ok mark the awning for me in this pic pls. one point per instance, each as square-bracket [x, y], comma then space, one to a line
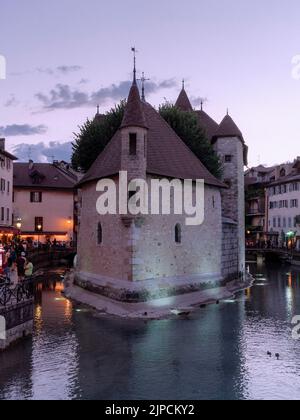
[8, 230]
[44, 233]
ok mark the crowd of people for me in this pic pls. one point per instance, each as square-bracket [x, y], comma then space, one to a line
[16, 265]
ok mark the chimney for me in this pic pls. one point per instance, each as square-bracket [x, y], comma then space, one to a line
[2, 145]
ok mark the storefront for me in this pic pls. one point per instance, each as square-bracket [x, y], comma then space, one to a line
[7, 234]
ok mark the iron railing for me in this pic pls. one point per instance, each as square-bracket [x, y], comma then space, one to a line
[10, 295]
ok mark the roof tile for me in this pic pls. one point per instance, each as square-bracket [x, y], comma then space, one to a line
[167, 154]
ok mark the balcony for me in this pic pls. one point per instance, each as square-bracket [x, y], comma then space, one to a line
[255, 211]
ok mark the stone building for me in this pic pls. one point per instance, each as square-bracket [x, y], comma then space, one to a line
[229, 143]
[135, 258]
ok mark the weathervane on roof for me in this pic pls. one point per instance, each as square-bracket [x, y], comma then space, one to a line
[98, 109]
[183, 84]
[143, 80]
[134, 50]
[29, 152]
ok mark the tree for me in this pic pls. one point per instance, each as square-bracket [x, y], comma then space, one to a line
[93, 137]
[186, 126]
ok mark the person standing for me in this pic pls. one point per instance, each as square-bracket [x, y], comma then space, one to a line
[21, 261]
[28, 269]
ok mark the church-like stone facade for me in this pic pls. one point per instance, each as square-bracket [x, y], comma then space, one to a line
[138, 258]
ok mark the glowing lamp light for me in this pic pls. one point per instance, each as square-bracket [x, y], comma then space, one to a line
[290, 234]
[39, 227]
[19, 225]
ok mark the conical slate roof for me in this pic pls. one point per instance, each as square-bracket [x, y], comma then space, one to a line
[167, 154]
[134, 115]
[209, 125]
[183, 102]
[228, 128]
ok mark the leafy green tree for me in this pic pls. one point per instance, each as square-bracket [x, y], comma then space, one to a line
[93, 137]
[186, 126]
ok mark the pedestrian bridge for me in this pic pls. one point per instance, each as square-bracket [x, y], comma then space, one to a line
[290, 256]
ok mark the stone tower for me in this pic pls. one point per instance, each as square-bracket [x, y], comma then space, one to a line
[134, 132]
[134, 136]
[230, 146]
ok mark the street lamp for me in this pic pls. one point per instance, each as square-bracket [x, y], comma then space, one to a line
[39, 229]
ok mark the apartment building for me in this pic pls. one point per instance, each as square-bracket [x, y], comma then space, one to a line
[6, 190]
[45, 201]
[283, 207]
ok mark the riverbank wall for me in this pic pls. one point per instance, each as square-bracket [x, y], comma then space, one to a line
[159, 308]
[16, 322]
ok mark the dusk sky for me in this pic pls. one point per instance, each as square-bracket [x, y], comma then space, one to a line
[63, 57]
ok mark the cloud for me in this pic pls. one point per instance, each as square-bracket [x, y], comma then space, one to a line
[51, 71]
[197, 101]
[44, 153]
[22, 130]
[83, 81]
[59, 70]
[65, 97]
[11, 102]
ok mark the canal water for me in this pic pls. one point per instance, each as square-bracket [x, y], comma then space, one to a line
[220, 352]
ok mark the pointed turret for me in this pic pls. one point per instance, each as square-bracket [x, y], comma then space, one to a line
[183, 103]
[134, 133]
[99, 117]
[228, 128]
[134, 115]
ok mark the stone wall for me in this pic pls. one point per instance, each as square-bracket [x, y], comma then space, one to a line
[19, 322]
[147, 249]
[230, 251]
[233, 198]
[157, 255]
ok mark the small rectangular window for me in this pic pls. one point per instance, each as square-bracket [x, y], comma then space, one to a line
[36, 197]
[228, 158]
[132, 144]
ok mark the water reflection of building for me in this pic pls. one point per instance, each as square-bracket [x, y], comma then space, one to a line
[15, 372]
[275, 299]
[54, 350]
[106, 356]
[172, 359]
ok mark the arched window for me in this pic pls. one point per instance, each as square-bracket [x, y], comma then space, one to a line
[178, 233]
[99, 234]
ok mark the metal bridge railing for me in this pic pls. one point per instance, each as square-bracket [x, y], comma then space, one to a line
[10, 295]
